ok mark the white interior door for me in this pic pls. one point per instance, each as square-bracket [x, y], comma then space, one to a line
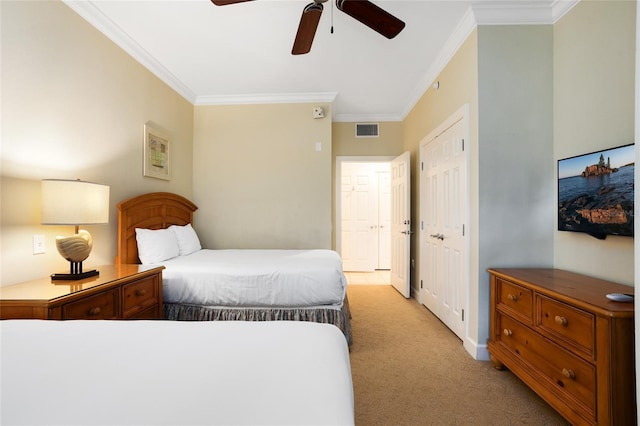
[443, 233]
[401, 224]
[359, 219]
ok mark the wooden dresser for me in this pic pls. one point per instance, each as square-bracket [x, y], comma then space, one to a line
[119, 292]
[560, 335]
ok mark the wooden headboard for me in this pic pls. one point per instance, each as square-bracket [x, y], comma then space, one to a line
[156, 210]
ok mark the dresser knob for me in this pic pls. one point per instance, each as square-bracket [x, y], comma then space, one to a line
[569, 374]
[94, 311]
[507, 332]
[560, 320]
[512, 297]
[141, 292]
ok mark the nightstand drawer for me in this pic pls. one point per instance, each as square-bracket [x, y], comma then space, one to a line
[516, 300]
[139, 295]
[98, 306]
[561, 321]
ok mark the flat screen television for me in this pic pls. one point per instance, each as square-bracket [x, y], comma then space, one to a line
[595, 192]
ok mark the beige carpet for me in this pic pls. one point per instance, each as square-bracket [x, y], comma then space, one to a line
[409, 369]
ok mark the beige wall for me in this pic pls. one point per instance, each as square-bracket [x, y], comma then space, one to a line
[73, 106]
[594, 62]
[345, 142]
[259, 180]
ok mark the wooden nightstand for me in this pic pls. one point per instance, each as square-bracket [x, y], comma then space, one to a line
[119, 292]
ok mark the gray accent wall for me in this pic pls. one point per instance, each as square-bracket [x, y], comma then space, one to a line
[515, 152]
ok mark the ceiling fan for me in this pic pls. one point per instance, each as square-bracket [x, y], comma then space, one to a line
[364, 11]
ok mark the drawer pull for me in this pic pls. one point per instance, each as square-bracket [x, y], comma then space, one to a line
[141, 292]
[94, 311]
[507, 332]
[569, 374]
[560, 320]
[512, 297]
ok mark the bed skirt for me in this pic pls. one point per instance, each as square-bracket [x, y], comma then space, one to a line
[340, 317]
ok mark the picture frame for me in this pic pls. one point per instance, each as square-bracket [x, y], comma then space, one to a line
[157, 153]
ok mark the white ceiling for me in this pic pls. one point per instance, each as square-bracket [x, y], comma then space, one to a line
[242, 53]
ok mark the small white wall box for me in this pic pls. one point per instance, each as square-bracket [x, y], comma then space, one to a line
[318, 112]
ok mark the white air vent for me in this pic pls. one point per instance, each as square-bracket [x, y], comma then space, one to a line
[367, 130]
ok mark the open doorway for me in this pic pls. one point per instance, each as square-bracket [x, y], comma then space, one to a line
[363, 213]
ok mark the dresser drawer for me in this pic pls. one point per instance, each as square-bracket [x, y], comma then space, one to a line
[98, 306]
[515, 300]
[562, 371]
[571, 325]
[139, 295]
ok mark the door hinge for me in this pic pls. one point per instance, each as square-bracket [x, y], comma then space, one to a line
[463, 315]
[463, 144]
[422, 225]
[422, 166]
[420, 283]
[463, 229]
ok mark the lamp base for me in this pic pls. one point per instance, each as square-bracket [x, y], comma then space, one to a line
[75, 273]
[74, 277]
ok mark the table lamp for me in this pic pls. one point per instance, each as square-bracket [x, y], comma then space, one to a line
[74, 202]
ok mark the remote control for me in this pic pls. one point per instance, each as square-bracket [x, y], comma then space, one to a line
[620, 297]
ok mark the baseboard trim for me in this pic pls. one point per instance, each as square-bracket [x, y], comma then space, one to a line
[478, 352]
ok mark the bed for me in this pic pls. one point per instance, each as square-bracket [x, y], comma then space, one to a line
[174, 373]
[211, 285]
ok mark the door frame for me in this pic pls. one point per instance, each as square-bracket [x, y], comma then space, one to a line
[338, 188]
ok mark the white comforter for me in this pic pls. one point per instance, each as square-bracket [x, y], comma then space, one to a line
[284, 278]
[174, 373]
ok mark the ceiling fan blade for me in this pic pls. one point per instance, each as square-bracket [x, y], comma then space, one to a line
[226, 2]
[372, 16]
[307, 28]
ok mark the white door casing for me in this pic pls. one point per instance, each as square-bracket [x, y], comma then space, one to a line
[384, 220]
[401, 224]
[443, 237]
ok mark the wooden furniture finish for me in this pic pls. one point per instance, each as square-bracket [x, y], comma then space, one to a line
[156, 210]
[558, 333]
[119, 292]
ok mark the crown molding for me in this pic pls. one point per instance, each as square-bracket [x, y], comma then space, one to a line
[94, 16]
[480, 12]
[489, 12]
[460, 34]
[498, 12]
[560, 7]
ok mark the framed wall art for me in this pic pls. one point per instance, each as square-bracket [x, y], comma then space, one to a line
[157, 153]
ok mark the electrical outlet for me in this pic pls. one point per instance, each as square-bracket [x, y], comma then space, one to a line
[38, 244]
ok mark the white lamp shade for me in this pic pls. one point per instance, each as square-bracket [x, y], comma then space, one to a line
[74, 202]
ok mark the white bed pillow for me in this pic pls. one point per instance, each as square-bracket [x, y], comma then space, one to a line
[188, 241]
[156, 245]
